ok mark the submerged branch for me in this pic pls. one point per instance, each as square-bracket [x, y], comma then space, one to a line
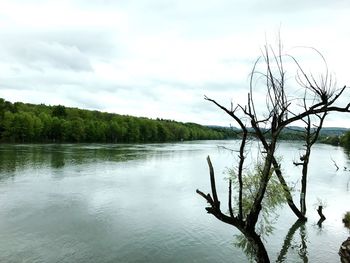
[287, 193]
[212, 184]
[230, 197]
[335, 164]
[322, 217]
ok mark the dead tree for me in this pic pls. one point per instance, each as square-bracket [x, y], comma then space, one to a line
[322, 89]
[310, 136]
[281, 112]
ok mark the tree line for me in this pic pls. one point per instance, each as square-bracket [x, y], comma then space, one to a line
[338, 140]
[344, 140]
[27, 123]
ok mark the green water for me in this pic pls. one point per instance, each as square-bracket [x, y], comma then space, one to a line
[137, 203]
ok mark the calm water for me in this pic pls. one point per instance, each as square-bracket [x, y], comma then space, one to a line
[137, 203]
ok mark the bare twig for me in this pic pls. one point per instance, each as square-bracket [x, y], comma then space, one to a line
[335, 164]
[226, 148]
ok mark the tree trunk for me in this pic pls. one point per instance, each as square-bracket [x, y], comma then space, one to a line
[304, 182]
[287, 193]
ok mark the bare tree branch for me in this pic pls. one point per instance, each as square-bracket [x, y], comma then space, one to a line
[320, 99]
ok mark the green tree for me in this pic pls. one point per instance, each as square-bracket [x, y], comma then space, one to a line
[117, 130]
[57, 132]
[101, 131]
[23, 127]
[59, 111]
[2, 113]
[46, 121]
[38, 127]
[75, 130]
[7, 125]
[39, 123]
[163, 132]
[133, 130]
[345, 140]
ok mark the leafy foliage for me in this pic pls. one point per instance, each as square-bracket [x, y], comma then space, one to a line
[345, 140]
[274, 198]
[332, 140]
[346, 220]
[20, 122]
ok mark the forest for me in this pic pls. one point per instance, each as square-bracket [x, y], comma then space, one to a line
[338, 140]
[30, 123]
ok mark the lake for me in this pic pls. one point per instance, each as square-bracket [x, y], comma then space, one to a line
[137, 203]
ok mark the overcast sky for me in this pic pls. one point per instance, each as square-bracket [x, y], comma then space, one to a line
[157, 58]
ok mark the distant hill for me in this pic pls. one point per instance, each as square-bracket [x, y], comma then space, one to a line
[24, 122]
[292, 132]
[333, 131]
[325, 131]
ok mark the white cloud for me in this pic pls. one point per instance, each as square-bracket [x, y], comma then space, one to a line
[59, 14]
[154, 58]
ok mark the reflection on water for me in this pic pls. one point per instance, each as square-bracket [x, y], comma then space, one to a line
[14, 157]
[301, 246]
[137, 203]
[347, 169]
[290, 242]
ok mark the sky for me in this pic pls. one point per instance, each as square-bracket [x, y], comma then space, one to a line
[158, 58]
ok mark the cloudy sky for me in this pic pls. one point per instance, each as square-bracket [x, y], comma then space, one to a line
[157, 58]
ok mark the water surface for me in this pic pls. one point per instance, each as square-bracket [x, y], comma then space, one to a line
[137, 203]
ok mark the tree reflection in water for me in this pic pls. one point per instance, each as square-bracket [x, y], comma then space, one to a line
[242, 243]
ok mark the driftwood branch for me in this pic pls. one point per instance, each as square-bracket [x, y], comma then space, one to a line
[212, 184]
[297, 164]
[214, 202]
[206, 197]
[335, 164]
[226, 148]
[322, 217]
[241, 156]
